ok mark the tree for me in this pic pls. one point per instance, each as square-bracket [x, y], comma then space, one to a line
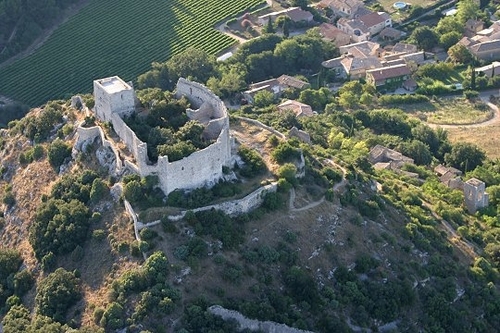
[465, 156]
[286, 28]
[263, 98]
[57, 293]
[449, 39]
[425, 38]
[16, 320]
[458, 53]
[59, 227]
[58, 152]
[288, 171]
[269, 27]
[193, 63]
[418, 151]
[468, 9]
[449, 24]
[299, 3]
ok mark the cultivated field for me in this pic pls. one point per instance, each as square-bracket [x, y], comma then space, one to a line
[117, 38]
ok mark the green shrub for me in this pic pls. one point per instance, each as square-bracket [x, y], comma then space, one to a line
[57, 293]
[98, 234]
[254, 164]
[58, 152]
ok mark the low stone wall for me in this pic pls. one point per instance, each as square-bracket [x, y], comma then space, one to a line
[261, 125]
[251, 324]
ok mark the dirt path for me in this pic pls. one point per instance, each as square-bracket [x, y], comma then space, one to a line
[335, 188]
[466, 247]
[494, 120]
[65, 16]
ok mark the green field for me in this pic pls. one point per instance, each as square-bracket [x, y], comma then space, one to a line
[117, 37]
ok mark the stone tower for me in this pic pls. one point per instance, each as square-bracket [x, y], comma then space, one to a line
[113, 95]
[475, 195]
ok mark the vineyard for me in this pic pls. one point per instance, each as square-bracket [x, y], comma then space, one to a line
[117, 37]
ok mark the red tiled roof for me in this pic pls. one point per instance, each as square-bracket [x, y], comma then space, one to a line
[384, 73]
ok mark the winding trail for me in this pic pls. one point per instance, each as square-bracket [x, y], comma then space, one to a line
[336, 188]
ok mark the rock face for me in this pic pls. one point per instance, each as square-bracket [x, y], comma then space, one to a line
[115, 99]
[253, 325]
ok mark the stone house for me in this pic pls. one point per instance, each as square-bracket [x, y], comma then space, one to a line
[389, 33]
[487, 51]
[295, 14]
[276, 86]
[449, 176]
[385, 158]
[490, 70]
[331, 33]
[472, 27]
[362, 28]
[350, 67]
[298, 108]
[345, 8]
[388, 78]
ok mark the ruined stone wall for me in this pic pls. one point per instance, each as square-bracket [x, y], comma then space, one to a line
[203, 167]
[138, 148]
[237, 207]
[89, 134]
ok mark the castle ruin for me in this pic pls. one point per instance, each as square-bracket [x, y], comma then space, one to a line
[115, 99]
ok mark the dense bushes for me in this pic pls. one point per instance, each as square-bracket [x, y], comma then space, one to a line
[56, 293]
[254, 164]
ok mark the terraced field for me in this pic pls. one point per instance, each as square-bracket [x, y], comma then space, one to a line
[117, 37]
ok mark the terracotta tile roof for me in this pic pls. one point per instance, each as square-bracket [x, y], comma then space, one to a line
[390, 32]
[372, 19]
[384, 73]
[403, 47]
[297, 14]
[300, 109]
[493, 45]
[331, 32]
[290, 81]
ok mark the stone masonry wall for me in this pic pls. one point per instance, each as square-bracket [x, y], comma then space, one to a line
[85, 134]
[203, 167]
[240, 206]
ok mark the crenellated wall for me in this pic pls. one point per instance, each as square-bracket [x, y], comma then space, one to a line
[203, 167]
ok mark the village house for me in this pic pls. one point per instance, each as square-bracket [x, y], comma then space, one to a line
[388, 78]
[331, 33]
[390, 33]
[345, 8]
[298, 108]
[490, 70]
[362, 49]
[350, 67]
[362, 28]
[385, 158]
[449, 176]
[485, 45]
[276, 86]
[472, 27]
[295, 14]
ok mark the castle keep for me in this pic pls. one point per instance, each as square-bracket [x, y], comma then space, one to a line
[115, 99]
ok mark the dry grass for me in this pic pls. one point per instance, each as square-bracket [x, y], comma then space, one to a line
[486, 138]
[451, 111]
